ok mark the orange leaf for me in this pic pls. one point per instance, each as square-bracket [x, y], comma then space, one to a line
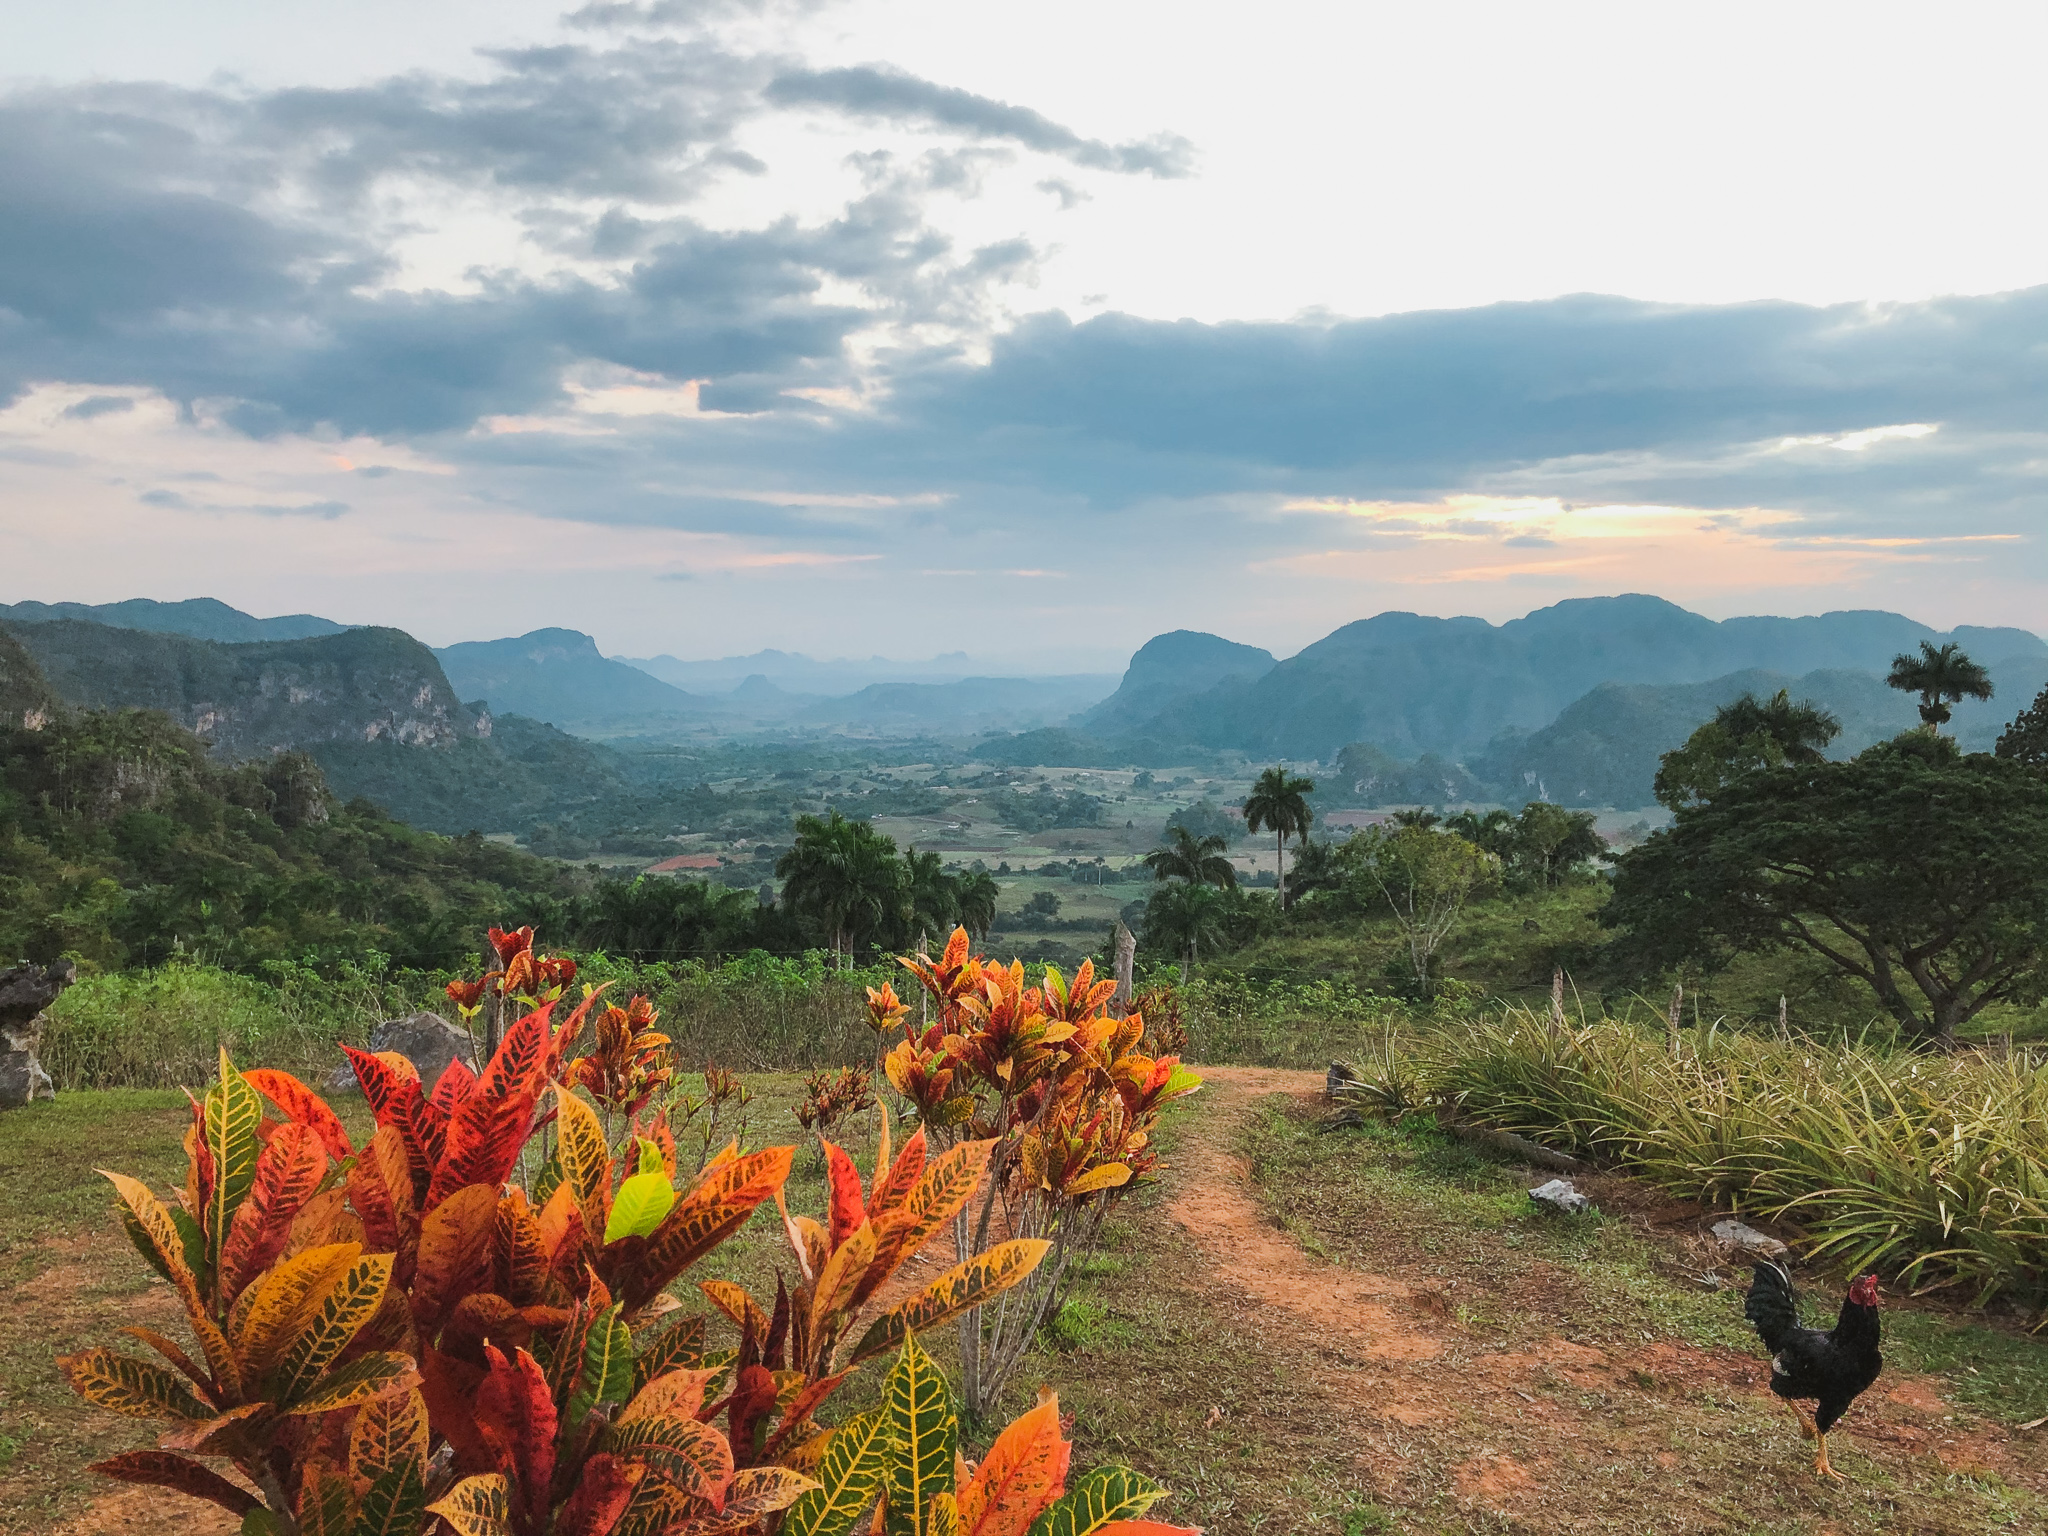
[848, 1210]
[516, 1413]
[299, 1103]
[1025, 1470]
[453, 1087]
[396, 1101]
[288, 1170]
[485, 1136]
[604, 1487]
[455, 1252]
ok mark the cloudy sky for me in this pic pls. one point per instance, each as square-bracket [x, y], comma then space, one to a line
[908, 326]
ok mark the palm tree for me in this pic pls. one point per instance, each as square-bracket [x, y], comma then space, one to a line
[978, 892]
[843, 874]
[1184, 917]
[1197, 860]
[930, 896]
[1799, 731]
[1278, 801]
[1941, 678]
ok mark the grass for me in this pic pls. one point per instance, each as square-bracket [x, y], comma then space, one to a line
[1928, 1168]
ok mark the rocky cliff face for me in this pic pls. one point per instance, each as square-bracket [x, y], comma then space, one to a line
[259, 699]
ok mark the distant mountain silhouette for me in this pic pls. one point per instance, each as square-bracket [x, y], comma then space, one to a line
[1410, 685]
[201, 618]
[558, 675]
[1170, 669]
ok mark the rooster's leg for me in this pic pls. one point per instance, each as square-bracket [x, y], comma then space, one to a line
[1820, 1462]
[1806, 1427]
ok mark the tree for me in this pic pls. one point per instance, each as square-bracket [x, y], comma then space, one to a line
[1182, 917]
[2026, 739]
[1425, 877]
[1550, 842]
[1198, 860]
[1749, 733]
[1941, 677]
[1913, 867]
[1494, 832]
[842, 875]
[930, 898]
[1279, 803]
[978, 892]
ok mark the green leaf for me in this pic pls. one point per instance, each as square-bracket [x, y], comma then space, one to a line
[607, 1375]
[856, 1461]
[261, 1522]
[545, 1183]
[650, 1158]
[231, 1115]
[925, 1435]
[395, 1503]
[639, 1206]
[1104, 1495]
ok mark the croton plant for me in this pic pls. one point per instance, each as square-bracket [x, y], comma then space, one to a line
[468, 1324]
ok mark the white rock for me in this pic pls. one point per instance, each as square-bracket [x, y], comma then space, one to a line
[1561, 1195]
[1741, 1238]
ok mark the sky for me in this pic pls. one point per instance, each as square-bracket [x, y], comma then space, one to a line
[1025, 330]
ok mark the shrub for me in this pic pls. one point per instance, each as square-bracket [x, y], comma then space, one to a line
[1057, 1087]
[465, 1323]
[1931, 1167]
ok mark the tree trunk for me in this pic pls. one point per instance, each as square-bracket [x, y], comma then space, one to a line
[1280, 866]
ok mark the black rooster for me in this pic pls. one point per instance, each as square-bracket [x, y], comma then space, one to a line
[1832, 1368]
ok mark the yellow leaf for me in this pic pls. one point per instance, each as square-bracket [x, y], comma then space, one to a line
[150, 1223]
[350, 1302]
[477, 1506]
[283, 1304]
[965, 1285]
[387, 1433]
[842, 1277]
[140, 1389]
[586, 1160]
[1108, 1176]
[680, 1393]
[361, 1380]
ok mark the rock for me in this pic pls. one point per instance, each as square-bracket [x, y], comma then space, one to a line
[1737, 1237]
[1561, 1195]
[1340, 1076]
[25, 991]
[427, 1040]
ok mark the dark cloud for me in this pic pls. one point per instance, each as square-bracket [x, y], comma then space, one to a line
[869, 91]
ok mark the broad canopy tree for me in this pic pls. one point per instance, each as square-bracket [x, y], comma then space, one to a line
[1425, 877]
[1916, 868]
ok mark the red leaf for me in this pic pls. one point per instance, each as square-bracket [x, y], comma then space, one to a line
[487, 1132]
[162, 1469]
[298, 1102]
[450, 1389]
[380, 1189]
[396, 1101]
[901, 1179]
[603, 1491]
[288, 1171]
[848, 1209]
[453, 1087]
[516, 1414]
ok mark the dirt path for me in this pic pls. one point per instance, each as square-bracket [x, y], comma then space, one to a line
[1496, 1417]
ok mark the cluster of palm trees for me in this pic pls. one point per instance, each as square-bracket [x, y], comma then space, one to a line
[1190, 909]
[848, 884]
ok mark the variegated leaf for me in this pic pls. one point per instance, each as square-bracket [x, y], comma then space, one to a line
[326, 1502]
[764, 1490]
[477, 1506]
[585, 1160]
[275, 1311]
[1023, 1472]
[965, 1285]
[925, 1435]
[233, 1111]
[1108, 1176]
[140, 1389]
[395, 1504]
[849, 1479]
[455, 1252]
[607, 1375]
[1097, 1501]
[288, 1171]
[357, 1381]
[299, 1103]
[387, 1433]
[674, 1392]
[712, 1211]
[350, 1302]
[693, 1456]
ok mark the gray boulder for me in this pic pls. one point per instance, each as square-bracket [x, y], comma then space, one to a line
[1561, 1195]
[25, 991]
[1739, 1237]
[427, 1040]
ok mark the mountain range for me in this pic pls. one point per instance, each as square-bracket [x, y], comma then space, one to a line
[1574, 702]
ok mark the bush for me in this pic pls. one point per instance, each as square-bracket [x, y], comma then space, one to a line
[1930, 1167]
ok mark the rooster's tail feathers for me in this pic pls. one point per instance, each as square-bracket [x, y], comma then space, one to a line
[1771, 1305]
